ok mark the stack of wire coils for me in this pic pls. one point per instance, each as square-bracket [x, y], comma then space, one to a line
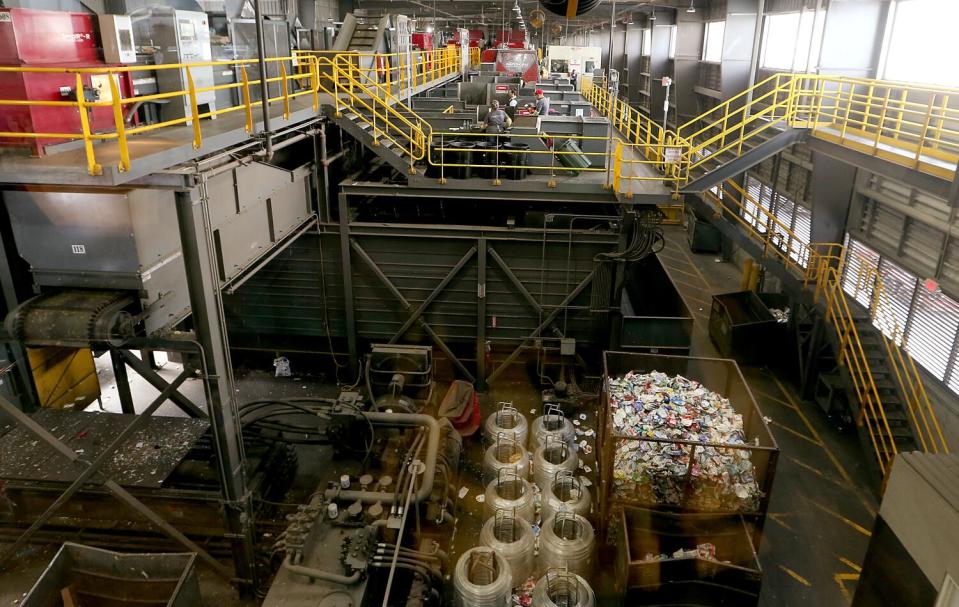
[567, 541]
[482, 579]
[512, 538]
[565, 492]
[512, 493]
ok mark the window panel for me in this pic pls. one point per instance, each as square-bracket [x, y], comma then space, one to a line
[791, 39]
[713, 41]
[856, 280]
[803, 231]
[647, 42]
[673, 30]
[932, 330]
[922, 29]
[899, 286]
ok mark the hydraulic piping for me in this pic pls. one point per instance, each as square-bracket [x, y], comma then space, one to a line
[264, 85]
[432, 448]
[319, 574]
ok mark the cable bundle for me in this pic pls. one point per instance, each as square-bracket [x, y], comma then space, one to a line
[512, 538]
[552, 424]
[512, 493]
[565, 492]
[481, 579]
[646, 238]
[506, 422]
[561, 589]
[567, 541]
[554, 456]
[505, 454]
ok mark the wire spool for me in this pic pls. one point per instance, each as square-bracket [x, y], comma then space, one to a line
[510, 492]
[505, 454]
[506, 422]
[565, 492]
[552, 424]
[560, 7]
[512, 538]
[562, 589]
[554, 456]
[567, 541]
[481, 579]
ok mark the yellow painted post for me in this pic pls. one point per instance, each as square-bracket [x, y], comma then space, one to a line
[118, 121]
[925, 129]
[944, 106]
[286, 91]
[902, 110]
[92, 167]
[882, 117]
[868, 113]
[315, 82]
[247, 106]
[845, 119]
[194, 111]
[617, 165]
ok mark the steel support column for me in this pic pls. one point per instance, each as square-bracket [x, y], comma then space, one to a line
[122, 381]
[481, 249]
[209, 325]
[349, 304]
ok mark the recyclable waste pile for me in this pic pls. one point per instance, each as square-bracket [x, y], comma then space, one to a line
[655, 405]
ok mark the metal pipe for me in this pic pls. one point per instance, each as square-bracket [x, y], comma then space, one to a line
[264, 87]
[319, 574]
[432, 448]
[613, 93]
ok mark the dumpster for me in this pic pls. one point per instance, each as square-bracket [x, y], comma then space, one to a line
[654, 316]
[742, 327]
[703, 236]
[687, 559]
[721, 462]
[513, 157]
[91, 576]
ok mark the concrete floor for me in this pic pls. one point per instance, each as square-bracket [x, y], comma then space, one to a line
[821, 510]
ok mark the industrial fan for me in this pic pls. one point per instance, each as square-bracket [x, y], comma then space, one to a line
[570, 8]
[556, 29]
[537, 18]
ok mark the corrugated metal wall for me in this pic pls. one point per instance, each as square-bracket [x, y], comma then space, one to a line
[287, 298]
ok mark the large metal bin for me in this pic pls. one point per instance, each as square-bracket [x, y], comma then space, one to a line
[703, 236]
[655, 317]
[733, 577]
[742, 327]
[102, 577]
[719, 375]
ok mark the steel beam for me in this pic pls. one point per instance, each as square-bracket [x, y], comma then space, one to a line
[537, 192]
[143, 369]
[481, 251]
[542, 325]
[119, 492]
[207, 313]
[349, 304]
[415, 314]
[122, 381]
[406, 306]
[92, 468]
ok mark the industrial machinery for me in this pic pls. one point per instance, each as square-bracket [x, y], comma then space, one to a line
[177, 36]
[400, 378]
[38, 38]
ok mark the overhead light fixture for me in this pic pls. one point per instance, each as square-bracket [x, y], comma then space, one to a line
[691, 9]
[429, 29]
[652, 15]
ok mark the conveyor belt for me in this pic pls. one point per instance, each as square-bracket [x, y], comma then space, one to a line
[73, 318]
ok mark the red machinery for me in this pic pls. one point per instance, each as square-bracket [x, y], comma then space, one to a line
[512, 39]
[422, 41]
[38, 38]
[475, 38]
[518, 62]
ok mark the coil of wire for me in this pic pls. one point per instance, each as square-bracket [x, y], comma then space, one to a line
[512, 538]
[566, 540]
[512, 493]
[481, 579]
[562, 589]
[506, 422]
[552, 424]
[505, 454]
[565, 492]
[554, 456]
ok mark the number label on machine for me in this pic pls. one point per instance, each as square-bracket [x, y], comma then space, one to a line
[78, 249]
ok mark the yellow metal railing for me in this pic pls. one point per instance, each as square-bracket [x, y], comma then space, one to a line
[822, 267]
[291, 86]
[912, 125]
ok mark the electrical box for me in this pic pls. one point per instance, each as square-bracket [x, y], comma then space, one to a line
[116, 34]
